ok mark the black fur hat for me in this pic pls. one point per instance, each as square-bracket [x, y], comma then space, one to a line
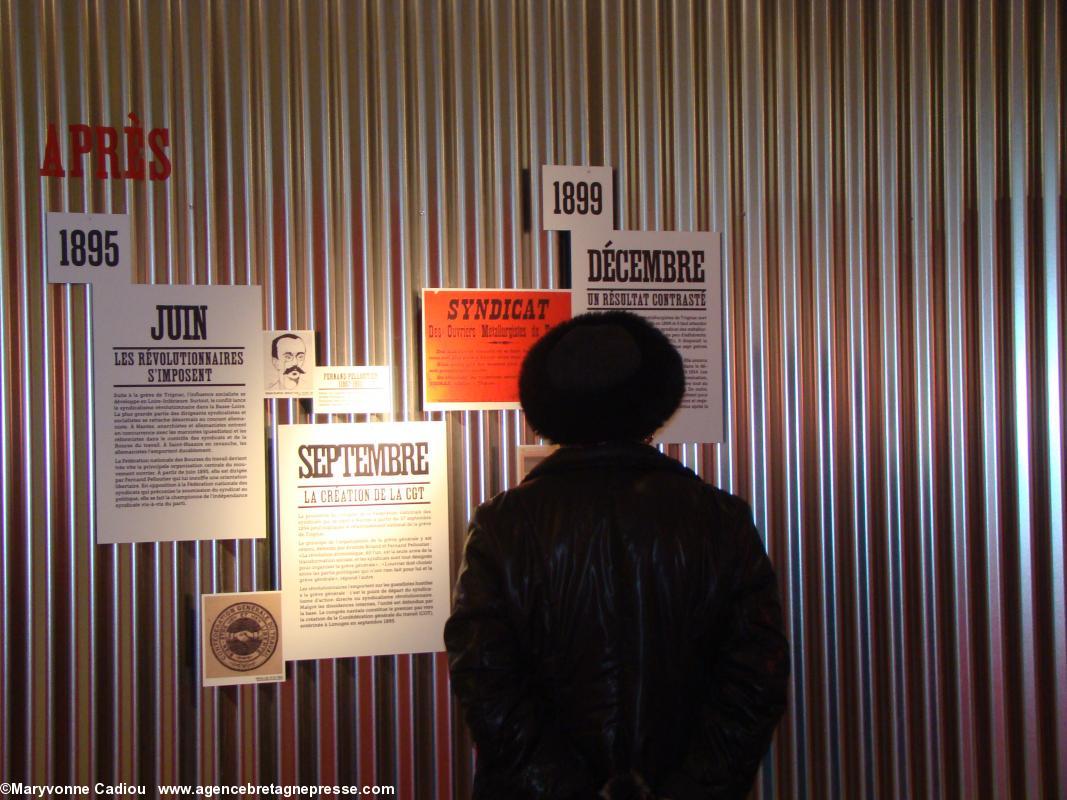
[601, 377]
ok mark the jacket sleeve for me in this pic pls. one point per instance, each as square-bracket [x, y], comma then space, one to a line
[745, 692]
[495, 681]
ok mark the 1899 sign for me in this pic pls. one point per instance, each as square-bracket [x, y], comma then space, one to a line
[578, 197]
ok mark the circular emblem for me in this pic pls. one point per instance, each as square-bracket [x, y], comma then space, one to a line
[244, 636]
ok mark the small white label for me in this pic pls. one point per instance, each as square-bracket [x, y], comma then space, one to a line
[577, 197]
[354, 390]
[88, 248]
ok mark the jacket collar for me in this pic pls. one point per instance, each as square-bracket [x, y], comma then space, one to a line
[608, 455]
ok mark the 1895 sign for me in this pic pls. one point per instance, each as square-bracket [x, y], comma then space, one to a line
[92, 248]
[88, 248]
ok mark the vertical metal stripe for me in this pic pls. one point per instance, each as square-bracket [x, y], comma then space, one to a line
[326, 743]
[956, 571]
[405, 734]
[7, 687]
[990, 375]
[1053, 171]
[444, 749]
[1021, 311]
[366, 716]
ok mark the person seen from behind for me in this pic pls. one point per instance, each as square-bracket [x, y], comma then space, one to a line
[616, 630]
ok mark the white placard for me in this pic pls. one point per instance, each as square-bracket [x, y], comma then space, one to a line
[241, 638]
[577, 198]
[674, 280]
[354, 390]
[178, 413]
[364, 538]
[289, 363]
[530, 455]
[88, 248]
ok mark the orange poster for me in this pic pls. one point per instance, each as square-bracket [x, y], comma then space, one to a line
[474, 340]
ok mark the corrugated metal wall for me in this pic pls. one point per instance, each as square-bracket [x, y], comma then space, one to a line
[889, 180]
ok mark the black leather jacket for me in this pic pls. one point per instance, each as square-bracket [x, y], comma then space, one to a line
[614, 613]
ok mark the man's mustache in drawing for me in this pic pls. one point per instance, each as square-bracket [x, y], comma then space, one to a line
[293, 370]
